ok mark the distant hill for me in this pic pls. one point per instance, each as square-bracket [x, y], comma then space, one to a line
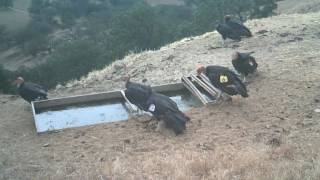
[171, 2]
[15, 20]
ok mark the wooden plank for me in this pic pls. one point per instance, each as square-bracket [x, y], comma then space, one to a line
[190, 86]
[77, 99]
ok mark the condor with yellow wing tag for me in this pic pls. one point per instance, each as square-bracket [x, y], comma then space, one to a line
[224, 79]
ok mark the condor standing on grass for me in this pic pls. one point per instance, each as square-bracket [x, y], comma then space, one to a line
[232, 30]
[244, 63]
[160, 106]
[224, 79]
[30, 91]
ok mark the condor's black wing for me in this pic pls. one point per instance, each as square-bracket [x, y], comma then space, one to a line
[164, 108]
[138, 94]
[239, 29]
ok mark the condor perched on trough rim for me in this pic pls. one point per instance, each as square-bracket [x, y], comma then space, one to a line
[30, 91]
[137, 94]
[244, 63]
[160, 106]
[232, 30]
[224, 79]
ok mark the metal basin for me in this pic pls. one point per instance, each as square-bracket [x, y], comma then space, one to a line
[84, 110]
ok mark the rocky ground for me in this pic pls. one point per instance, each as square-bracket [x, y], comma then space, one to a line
[273, 134]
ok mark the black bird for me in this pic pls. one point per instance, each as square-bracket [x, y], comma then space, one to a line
[160, 106]
[164, 108]
[244, 63]
[30, 91]
[232, 30]
[224, 79]
[137, 94]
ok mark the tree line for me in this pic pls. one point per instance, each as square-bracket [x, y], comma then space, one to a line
[106, 30]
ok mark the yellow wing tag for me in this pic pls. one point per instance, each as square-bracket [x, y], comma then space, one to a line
[223, 79]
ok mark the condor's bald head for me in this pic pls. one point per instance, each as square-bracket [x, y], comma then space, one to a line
[227, 18]
[200, 69]
[18, 81]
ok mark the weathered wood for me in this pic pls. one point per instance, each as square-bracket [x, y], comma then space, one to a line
[78, 99]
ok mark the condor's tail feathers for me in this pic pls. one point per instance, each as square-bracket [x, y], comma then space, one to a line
[240, 88]
[176, 121]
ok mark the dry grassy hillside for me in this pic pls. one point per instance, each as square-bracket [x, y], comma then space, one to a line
[298, 6]
[274, 134]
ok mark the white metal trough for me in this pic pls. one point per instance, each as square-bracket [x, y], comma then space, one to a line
[76, 111]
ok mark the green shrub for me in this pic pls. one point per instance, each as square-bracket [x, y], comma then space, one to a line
[5, 78]
[6, 3]
[70, 61]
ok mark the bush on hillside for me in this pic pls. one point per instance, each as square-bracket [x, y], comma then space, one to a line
[4, 39]
[70, 61]
[6, 3]
[209, 13]
[5, 78]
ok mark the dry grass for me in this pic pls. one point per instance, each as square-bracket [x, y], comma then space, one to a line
[263, 163]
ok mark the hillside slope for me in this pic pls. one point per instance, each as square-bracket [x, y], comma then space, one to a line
[297, 6]
[180, 58]
[274, 134]
[15, 20]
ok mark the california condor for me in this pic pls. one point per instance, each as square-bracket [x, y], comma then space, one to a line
[232, 30]
[164, 108]
[30, 91]
[224, 79]
[244, 63]
[137, 94]
[159, 105]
